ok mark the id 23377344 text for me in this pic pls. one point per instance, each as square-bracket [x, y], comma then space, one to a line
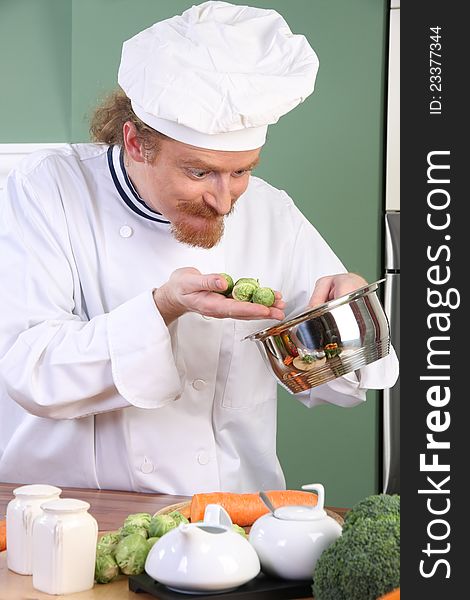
[435, 70]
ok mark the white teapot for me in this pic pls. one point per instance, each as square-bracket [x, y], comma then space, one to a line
[203, 557]
[290, 540]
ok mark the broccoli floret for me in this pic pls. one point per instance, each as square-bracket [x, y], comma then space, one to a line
[364, 563]
[378, 506]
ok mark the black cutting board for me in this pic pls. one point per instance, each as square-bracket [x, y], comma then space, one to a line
[261, 587]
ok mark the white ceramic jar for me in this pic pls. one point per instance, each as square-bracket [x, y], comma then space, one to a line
[64, 547]
[21, 512]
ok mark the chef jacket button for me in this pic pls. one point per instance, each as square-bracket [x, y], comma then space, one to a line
[199, 384]
[126, 231]
[147, 467]
[203, 458]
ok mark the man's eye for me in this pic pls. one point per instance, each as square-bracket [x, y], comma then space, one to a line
[198, 173]
[241, 172]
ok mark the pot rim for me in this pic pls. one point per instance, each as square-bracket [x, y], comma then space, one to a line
[313, 312]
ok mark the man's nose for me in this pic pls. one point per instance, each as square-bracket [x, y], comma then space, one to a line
[220, 196]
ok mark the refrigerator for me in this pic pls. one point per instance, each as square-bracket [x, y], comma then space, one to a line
[390, 426]
[391, 396]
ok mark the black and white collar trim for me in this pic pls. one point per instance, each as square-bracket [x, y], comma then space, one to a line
[125, 188]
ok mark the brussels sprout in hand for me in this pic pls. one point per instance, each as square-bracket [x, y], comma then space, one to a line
[243, 291]
[229, 280]
[131, 553]
[161, 524]
[106, 568]
[251, 280]
[264, 296]
[189, 290]
[247, 289]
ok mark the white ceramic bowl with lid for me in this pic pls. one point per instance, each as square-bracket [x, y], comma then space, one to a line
[290, 541]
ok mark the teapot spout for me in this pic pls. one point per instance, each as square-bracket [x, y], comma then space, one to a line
[187, 530]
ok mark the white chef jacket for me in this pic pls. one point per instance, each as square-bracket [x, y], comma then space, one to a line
[97, 391]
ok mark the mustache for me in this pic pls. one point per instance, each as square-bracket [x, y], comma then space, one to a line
[202, 210]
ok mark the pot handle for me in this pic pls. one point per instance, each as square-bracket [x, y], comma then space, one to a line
[317, 487]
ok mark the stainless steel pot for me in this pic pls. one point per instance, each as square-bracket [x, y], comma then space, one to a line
[331, 340]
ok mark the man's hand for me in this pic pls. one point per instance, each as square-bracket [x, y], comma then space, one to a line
[333, 286]
[188, 290]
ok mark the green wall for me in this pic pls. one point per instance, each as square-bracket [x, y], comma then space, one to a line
[58, 56]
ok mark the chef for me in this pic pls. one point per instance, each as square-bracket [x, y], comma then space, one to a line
[121, 366]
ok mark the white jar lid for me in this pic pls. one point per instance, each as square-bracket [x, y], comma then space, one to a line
[65, 505]
[37, 490]
[300, 513]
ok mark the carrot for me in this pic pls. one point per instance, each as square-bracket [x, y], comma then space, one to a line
[393, 595]
[3, 535]
[244, 509]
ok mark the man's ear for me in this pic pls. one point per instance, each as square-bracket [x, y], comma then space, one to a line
[132, 144]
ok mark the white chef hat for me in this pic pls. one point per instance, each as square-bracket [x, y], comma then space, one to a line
[217, 75]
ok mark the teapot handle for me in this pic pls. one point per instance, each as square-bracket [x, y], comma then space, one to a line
[317, 487]
[215, 514]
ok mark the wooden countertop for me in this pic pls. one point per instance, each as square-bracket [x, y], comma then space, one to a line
[110, 508]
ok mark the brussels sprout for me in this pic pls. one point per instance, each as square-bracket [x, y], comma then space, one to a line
[229, 281]
[107, 544]
[264, 296]
[243, 291]
[251, 280]
[106, 568]
[138, 519]
[151, 541]
[130, 528]
[178, 517]
[131, 553]
[237, 529]
[161, 524]
[136, 523]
